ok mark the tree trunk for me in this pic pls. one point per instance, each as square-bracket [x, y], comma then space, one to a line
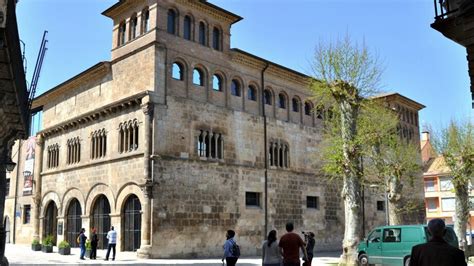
[351, 192]
[462, 212]
[395, 203]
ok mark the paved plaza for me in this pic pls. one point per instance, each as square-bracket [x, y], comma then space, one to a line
[23, 255]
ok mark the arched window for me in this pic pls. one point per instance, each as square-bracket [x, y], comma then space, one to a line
[296, 105]
[282, 100]
[122, 30]
[133, 27]
[202, 33]
[252, 93]
[210, 145]
[267, 97]
[145, 20]
[216, 39]
[307, 108]
[278, 154]
[235, 88]
[171, 21]
[128, 136]
[187, 27]
[131, 220]
[198, 77]
[177, 71]
[217, 82]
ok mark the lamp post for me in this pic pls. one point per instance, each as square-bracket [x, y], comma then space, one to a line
[10, 165]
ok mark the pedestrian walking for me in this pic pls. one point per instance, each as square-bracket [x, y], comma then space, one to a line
[112, 242]
[310, 242]
[231, 249]
[82, 243]
[94, 242]
[290, 245]
[437, 252]
[270, 251]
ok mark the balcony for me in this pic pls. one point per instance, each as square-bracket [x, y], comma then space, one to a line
[446, 8]
[455, 20]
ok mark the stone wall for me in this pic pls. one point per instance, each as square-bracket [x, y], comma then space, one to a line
[196, 202]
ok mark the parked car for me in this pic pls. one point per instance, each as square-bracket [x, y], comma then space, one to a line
[391, 245]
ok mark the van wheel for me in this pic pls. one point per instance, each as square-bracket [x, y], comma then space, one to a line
[407, 261]
[363, 260]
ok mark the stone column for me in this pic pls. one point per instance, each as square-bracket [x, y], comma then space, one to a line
[37, 186]
[145, 246]
[61, 234]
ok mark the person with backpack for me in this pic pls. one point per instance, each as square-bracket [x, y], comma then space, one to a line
[270, 251]
[81, 240]
[231, 249]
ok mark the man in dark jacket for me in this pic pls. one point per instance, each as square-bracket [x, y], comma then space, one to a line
[437, 252]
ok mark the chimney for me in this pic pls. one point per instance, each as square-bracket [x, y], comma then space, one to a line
[425, 136]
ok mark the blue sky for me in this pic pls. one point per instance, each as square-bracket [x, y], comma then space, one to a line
[419, 62]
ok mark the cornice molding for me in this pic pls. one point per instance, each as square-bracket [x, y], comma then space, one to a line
[252, 62]
[121, 7]
[215, 13]
[124, 104]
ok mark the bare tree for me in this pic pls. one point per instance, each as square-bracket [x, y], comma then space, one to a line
[456, 144]
[390, 161]
[347, 73]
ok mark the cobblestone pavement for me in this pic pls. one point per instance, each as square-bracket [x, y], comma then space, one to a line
[23, 255]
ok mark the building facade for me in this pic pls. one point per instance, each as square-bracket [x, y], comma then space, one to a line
[440, 200]
[175, 140]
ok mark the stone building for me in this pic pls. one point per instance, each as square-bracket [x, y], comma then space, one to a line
[408, 129]
[175, 140]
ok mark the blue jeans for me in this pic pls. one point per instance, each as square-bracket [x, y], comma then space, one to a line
[110, 247]
[83, 250]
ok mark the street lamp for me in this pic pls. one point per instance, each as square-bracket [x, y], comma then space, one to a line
[375, 186]
[10, 165]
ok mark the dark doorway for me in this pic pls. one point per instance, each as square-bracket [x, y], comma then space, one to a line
[7, 229]
[50, 222]
[73, 222]
[132, 224]
[101, 220]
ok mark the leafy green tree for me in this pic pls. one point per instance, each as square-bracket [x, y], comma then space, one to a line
[346, 74]
[456, 144]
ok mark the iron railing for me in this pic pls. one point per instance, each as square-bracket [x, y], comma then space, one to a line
[445, 8]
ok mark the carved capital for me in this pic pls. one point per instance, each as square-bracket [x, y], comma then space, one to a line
[147, 188]
[40, 140]
[37, 200]
[148, 108]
